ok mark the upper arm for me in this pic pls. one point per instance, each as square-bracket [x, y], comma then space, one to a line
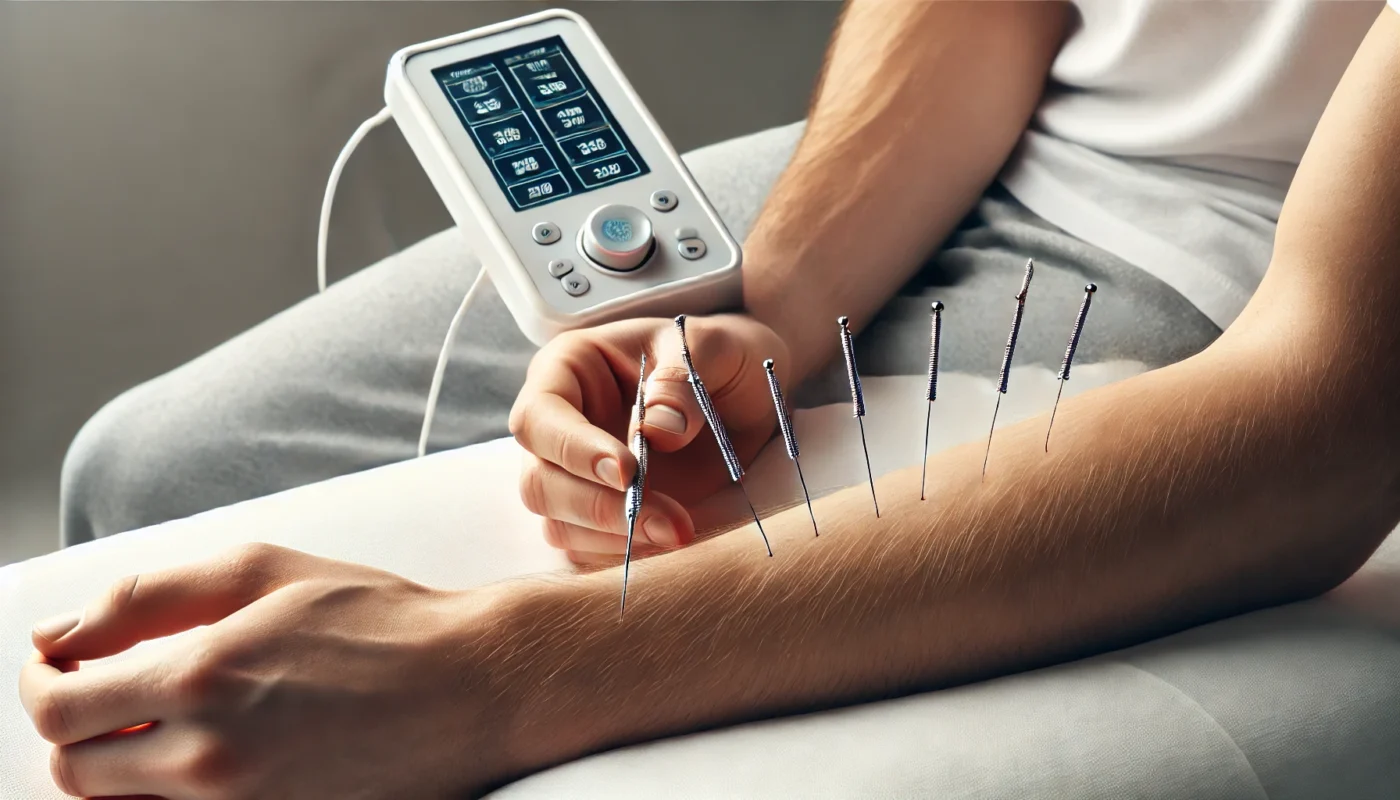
[1324, 321]
[1337, 249]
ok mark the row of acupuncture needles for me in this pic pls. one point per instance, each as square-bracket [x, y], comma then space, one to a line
[1002, 379]
[639, 445]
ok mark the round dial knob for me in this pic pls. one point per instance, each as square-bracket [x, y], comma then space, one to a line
[617, 237]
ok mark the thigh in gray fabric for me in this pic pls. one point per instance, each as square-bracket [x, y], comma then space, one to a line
[338, 382]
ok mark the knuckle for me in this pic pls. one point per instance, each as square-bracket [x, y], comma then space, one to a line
[569, 450]
[61, 770]
[602, 511]
[519, 418]
[554, 534]
[121, 593]
[198, 681]
[523, 418]
[210, 764]
[50, 717]
[532, 487]
[253, 562]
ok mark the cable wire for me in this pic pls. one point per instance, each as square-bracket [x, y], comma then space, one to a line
[443, 355]
[323, 232]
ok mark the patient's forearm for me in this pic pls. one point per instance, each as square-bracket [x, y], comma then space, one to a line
[1185, 494]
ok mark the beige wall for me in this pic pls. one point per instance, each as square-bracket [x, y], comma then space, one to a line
[161, 166]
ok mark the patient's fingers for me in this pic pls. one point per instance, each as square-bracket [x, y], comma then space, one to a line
[548, 417]
[160, 759]
[165, 602]
[68, 707]
[553, 493]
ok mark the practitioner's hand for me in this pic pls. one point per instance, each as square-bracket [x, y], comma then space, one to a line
[314, 678]
[574, 412]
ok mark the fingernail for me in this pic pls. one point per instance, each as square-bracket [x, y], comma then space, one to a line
[609, 472]
[666, 418]
[660, 531]
[56, 628]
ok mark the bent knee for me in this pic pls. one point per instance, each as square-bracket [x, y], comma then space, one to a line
[131, 465]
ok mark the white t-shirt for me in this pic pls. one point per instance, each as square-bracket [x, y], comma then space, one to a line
[1171, 130]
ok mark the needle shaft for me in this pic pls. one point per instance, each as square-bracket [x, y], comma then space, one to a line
[988, 454]
[627, 565]
[868, 471]
[808, 497]
[923, 481]
[756, 520]
[1053, 409]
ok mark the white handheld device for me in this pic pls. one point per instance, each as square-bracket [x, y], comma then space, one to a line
[578, 206]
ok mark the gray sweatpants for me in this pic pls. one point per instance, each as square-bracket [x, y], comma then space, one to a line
[337, 383]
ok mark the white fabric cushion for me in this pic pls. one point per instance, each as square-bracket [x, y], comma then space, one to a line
[1293, 702]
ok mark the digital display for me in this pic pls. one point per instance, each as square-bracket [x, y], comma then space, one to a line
[539, 123]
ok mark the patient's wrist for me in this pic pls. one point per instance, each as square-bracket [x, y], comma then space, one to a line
[536, 649]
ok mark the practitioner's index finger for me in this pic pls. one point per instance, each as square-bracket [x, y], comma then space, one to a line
[548, 421]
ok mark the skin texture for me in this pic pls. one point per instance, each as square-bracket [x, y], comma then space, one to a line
[1260, 471]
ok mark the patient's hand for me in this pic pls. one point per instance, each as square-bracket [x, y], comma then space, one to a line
[574, 412]
[314, 678]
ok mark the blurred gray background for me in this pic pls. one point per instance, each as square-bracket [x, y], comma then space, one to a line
[162, 164]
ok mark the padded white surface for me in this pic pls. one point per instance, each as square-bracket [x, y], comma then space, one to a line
[1296, 702]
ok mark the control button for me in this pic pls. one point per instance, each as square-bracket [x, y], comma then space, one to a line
[560, 267]
[664, 201]
[575, 283]
[691, 249]
[686, 233]
[545, 232]
[617, 237]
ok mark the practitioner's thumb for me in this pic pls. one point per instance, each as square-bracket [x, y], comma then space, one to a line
[673, 418]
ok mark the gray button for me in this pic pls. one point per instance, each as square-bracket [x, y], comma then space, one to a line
[686, 233]
[691, 249]
[545, 232]
[663, 200]
[560, 267]
[575, 283]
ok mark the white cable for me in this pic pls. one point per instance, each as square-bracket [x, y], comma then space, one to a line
[443, 354]
[323, 233]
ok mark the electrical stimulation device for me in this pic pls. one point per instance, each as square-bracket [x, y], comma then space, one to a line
[579, 208]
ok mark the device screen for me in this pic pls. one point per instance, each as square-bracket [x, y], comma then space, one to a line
[540, 124]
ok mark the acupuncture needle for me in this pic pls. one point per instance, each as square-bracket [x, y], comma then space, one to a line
[935, 336]
[726, 447]
[857, 399]
[1006, 357]
[1073, 345]
[633, 498]
[789, 437]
